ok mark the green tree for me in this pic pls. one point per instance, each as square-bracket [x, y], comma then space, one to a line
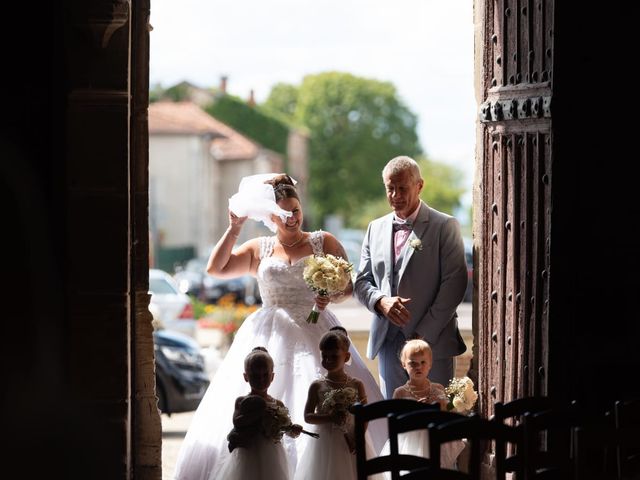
[356, 125]
[283, 99]
[268, 129]
[443, 185]
[156, 93]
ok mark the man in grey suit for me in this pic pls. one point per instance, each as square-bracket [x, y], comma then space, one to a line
[412, 276]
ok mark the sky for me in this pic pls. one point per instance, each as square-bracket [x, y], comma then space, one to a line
[423, 47]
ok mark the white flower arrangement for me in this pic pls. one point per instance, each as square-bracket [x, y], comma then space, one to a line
[462, 397]
[326, 275]
[275, 421]
[338, 400]
[416, 244]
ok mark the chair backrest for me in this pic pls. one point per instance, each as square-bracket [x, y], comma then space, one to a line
[512, 413]
[593, 445]
[428, 473]
[392, 465]
[417, 420]
[548, 440]
[411, 421]
[627, 415]
[364, 413]
[477, 432]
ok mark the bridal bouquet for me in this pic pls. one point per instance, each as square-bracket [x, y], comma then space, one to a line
[462, 397]
[339, 400]
[326, 275]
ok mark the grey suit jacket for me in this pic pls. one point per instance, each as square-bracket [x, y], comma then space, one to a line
[433, 277]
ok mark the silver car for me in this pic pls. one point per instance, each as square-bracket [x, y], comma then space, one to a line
[171, 308]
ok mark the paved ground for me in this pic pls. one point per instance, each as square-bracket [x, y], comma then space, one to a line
[356, 320]
[174, 429]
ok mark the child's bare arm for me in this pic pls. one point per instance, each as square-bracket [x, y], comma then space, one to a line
[310, 415]
[362, 396]
[362, 393]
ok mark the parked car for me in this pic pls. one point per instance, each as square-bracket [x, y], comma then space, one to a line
[352, 248]
[193, 279]
[468, 254]
[181, 377]
[172, 309]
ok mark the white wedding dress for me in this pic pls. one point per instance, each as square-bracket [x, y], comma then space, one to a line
[281, 327]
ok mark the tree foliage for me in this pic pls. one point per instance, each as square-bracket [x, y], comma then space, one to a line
[259, 124]
[356, 125]
[283, 98]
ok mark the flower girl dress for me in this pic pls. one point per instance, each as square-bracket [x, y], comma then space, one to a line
[416, 442]
[281, 327]
[263, 458]
[329, 457]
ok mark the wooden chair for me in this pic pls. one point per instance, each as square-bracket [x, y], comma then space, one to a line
[477, 432]
[548, 440]
[627, 415]
[428, 473]
[592, 446]
[417, 420]
[393, 465]
[365, 413]
[512, 413]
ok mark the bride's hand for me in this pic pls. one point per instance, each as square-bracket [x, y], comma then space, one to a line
[235, 223]
[235, 220]
[322, 301]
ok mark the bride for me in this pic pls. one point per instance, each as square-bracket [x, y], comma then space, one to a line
[280, 325]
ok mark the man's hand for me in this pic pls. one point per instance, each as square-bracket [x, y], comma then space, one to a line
[394, 309]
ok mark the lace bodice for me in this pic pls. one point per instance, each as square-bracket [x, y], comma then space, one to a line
[435, 393]
[281, 284]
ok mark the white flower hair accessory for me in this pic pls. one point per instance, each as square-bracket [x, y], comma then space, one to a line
[257, 200]
[416, 244]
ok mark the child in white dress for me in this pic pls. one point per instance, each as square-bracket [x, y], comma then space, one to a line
[259, 421]
[332, 456]
[416, 357]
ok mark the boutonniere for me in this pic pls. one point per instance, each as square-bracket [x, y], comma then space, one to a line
[416, 244]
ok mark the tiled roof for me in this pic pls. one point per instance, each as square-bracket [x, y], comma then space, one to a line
[188, 119]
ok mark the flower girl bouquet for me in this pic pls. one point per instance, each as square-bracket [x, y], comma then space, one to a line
[326, 275]
[276, 421]
[462, 397]
[338, 401]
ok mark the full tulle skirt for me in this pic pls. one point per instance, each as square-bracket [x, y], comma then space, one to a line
[294, 348]
[329, 457]
[265, 460]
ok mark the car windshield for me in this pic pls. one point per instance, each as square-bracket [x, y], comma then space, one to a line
[161, 286]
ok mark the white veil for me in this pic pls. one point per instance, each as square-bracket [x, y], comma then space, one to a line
[257, 200]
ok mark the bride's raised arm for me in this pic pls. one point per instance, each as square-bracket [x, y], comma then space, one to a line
[227, 262]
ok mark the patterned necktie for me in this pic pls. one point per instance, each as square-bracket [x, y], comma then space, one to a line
[401, 231]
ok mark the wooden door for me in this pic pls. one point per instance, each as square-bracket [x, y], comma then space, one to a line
[513, 195]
